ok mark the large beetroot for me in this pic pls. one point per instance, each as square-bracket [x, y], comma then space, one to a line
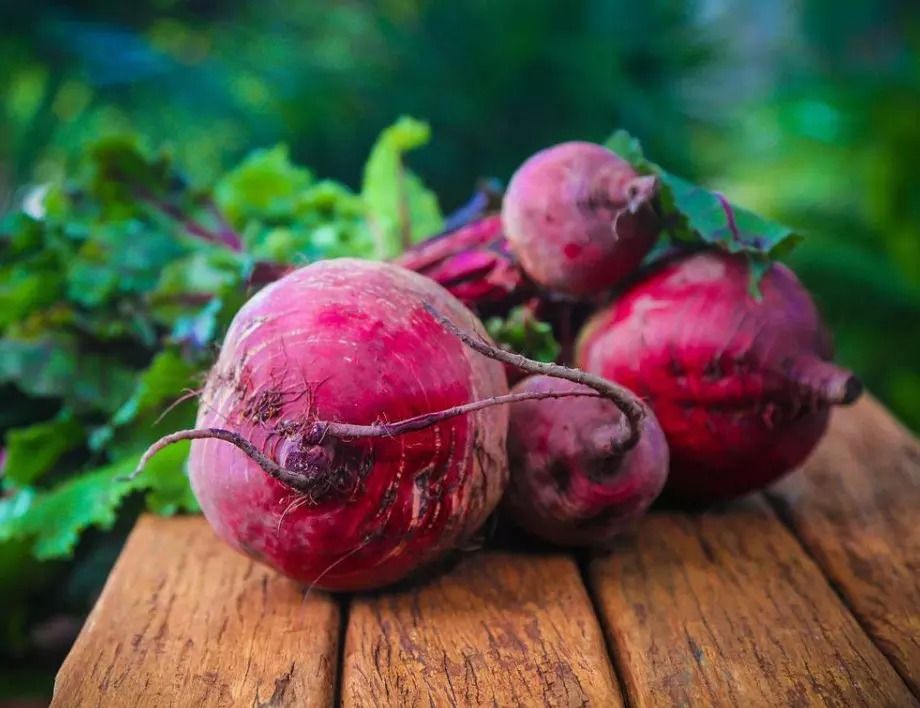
[742, 387]
[308, 364]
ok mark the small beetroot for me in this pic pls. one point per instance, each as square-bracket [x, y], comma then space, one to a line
[569, 486]
[579, 218]
[742, 387]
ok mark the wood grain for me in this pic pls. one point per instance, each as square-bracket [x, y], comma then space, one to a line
[856, 508]
[185, 621]
[725, 609]
[501, 630]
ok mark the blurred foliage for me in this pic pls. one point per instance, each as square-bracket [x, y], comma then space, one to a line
[830, 153]
[496, 81]
[803, 111]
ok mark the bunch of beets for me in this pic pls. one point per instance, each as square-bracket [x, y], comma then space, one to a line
[360, 424]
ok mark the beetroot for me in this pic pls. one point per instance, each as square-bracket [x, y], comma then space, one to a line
[348, 340]
[742, 387]
[569, 486]
[579, 218]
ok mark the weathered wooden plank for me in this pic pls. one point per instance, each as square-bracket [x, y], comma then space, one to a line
[185, 621]
[501, 629]
[725, 609]
[856, 507]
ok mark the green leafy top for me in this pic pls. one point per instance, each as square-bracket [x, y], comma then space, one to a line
[114, 291]
[523, 333]
[693, 214]
[404, 211]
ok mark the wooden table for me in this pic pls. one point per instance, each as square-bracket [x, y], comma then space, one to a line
[806, 595]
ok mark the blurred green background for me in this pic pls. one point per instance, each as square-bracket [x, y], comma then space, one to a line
[808, 112]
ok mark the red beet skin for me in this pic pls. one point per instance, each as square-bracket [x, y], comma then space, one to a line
[741, 388]
[578, 218]
[567, 485]
[349, 341]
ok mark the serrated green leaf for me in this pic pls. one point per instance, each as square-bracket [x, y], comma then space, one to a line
[33, 451]
[166, 378]
[399, 206]
[206, 272]
[627, 147]
[522, 333]
[717, 222]
[698, 215]
[265, 183]
[54, 520]
[121, 258]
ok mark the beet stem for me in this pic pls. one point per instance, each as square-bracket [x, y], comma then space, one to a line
[426, 420]
[272, 468]
[624, 399]
[829, 382]
[641, 190]
[321, 429]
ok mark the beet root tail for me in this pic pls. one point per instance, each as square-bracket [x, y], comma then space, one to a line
[827, 382]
